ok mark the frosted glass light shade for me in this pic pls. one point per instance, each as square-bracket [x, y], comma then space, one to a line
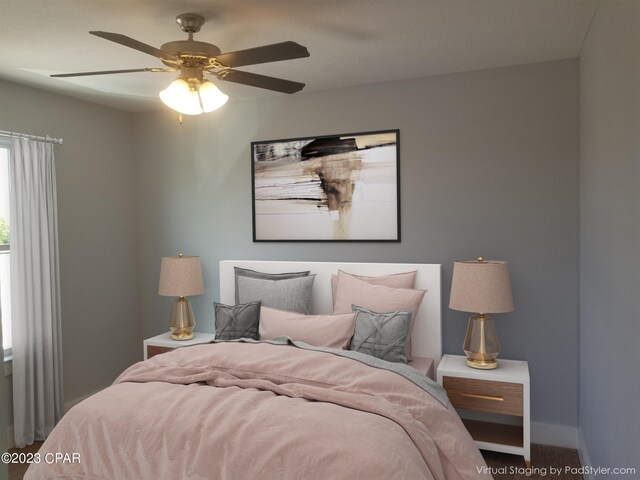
[211, 97]
[180, 97]
[193, 99]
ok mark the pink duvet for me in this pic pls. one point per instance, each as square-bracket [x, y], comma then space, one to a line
[259, 411]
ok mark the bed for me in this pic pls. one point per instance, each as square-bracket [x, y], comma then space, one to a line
[278, 409]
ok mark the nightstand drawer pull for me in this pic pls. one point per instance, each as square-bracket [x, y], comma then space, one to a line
[483, 397]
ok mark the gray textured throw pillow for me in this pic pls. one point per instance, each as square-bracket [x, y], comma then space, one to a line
[381, 335]
[239, 321]
[245, 272]
[290, 294]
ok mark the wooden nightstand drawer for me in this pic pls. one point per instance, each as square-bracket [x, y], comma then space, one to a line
[153, 350]
[485, 395]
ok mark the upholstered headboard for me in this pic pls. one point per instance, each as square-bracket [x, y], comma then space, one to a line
[427, 333]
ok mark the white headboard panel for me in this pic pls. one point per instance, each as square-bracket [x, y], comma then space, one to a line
[427, 335]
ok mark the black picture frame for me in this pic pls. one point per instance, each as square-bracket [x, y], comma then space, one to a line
[327, 188]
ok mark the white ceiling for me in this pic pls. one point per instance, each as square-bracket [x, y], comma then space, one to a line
[352, 42]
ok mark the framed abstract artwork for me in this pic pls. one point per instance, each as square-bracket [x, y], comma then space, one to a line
[331, 188]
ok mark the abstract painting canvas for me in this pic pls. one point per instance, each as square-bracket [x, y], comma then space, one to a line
[329, 188]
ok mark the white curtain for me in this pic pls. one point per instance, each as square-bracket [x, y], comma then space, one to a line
[4, 472]
[35, 291]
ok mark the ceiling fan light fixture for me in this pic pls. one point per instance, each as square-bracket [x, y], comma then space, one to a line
[181, 97]
[211, 96]
[193, 97]
[190, 94]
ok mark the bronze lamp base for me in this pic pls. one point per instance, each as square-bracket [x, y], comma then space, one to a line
[182, 321]
[481, 342]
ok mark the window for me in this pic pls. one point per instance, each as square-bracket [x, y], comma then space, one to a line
[5, 287]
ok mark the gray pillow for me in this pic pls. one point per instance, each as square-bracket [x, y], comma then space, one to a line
[245, 272]
[290, 294]
[381, 335]
[239, 321]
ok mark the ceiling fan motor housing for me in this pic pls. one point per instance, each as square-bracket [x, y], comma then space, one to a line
[190, 22]
[191, 51]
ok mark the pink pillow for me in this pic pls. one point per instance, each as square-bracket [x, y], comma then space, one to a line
[395, 280]
[320, 330]
[379, 298]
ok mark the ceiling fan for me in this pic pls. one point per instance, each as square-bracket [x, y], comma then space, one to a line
[191, 93]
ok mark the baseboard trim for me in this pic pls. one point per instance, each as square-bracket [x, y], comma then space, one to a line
[555, 435]
[583, 453]
[67, 406]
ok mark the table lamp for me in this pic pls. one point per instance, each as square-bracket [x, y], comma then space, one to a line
[180, 277]
[481, 286]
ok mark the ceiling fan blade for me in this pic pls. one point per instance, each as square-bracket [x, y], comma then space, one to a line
[260, 81]
[135, 44]
[264, 54]
[109, 72]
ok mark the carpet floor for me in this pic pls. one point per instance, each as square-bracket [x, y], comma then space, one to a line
[17, 470]
[546, 462]
[503, 466]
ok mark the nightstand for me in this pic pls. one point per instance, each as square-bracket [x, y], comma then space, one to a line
[164, 343]
[502, 394]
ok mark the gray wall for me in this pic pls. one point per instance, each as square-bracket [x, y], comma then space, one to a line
[100, 328]
[610, 236]
[489, 166]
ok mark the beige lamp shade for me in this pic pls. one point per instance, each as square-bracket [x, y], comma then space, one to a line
[481, 286]
[180, 276]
